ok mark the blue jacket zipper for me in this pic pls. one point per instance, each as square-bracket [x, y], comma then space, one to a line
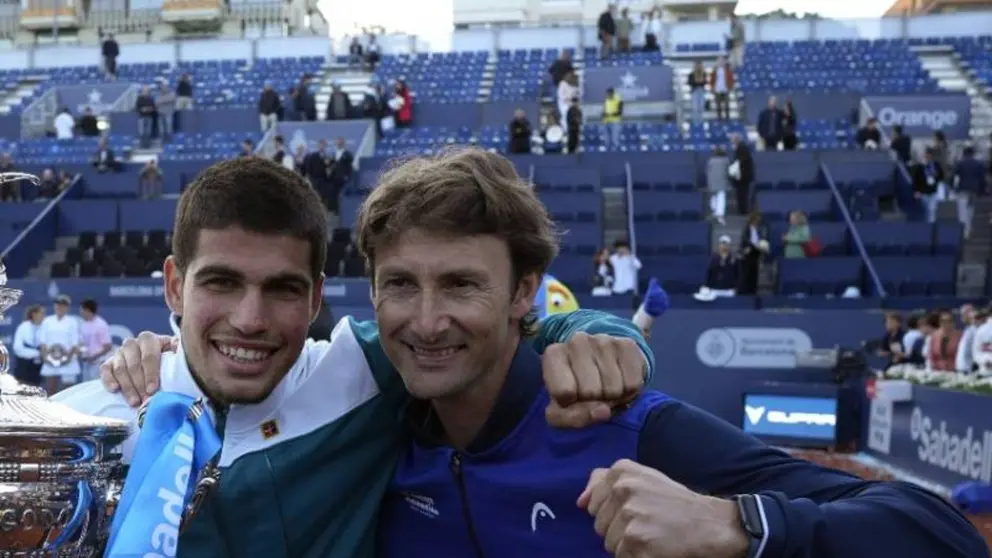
[456, 471]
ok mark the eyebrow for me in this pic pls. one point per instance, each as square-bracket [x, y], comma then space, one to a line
[224, 271]
[447, 274]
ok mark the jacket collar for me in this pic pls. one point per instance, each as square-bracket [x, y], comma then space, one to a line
[523, 385]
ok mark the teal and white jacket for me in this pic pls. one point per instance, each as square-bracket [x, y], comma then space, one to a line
[303, 472]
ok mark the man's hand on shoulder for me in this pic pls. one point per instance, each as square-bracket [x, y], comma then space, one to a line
[589, 376]
[135, 369]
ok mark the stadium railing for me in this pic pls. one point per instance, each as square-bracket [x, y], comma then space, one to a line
[865, 258]
[631, 233]
[28, 246]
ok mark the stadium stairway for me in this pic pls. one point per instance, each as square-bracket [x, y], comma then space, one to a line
[943, 63]
[682, 66]
[15, 94]
[352, 81]
[974, 265]
[44, 267]
[488, 79]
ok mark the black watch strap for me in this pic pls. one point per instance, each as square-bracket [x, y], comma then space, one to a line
[753, 521]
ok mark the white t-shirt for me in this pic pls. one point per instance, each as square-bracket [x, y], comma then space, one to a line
[625, 270]
[981, 347]
[64, 123]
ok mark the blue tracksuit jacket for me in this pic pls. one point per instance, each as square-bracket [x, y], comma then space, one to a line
[513, 491]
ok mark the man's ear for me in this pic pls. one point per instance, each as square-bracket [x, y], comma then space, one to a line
[523, 300]
[316, 298]
[173, 278]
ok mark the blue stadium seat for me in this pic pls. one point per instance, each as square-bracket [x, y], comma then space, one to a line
[816, 204]
[678, 274]
[673, 238]
[914, 276]
[667, 206]
[818, 276]
[886, 238]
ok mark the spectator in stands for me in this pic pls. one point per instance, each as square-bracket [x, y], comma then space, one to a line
[110, 51]
[890, 345]
[754, 245]
[723, 273]
[607, 30]
[722, 83]
[625, 267]
[105, 160]
[797, 237]
[561, 67]
[64, 179]
[338, 104]
[771, 123]
[697, 90]
[613, 117]
[247, 148]
[317, 169]
[305, 103]
[568, 89]
[573, 125]
[95, 333]
[901, 144]
[64, 124]
[88, 125]
[717, 183]
[942, 153]
[944, 343]
[9, 191]
[965, 361]
[928, 183]
[869, 136]
[981, 344]
[300, 157]
[26, 345]
[372, 53]
[913, 341]
[741, 173]
[268, 107]
[165, 107]
[790, 123]
[602, 273]
[651, 30]
[281, 156]
[402, 104]
[736, 41]
[374, 106]
[625, 28]
[145, 106]
[356, 54]
[968, 182]
[520, 133]
[343, 166]
[184, 93]
[150, 180]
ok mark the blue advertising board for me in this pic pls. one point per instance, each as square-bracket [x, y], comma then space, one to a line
[641, 84]
[802, 418]
[942, 436]
[99, 98]
[922, 115]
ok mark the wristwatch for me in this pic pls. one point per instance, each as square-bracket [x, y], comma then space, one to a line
[753, 522]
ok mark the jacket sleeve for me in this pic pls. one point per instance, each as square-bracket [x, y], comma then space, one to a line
[810, 511]
[559, 328]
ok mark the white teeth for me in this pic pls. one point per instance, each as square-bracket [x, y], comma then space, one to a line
[243, 354]
[435, 353]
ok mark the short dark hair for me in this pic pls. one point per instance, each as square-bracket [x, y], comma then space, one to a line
[89, 305]
[257, 195]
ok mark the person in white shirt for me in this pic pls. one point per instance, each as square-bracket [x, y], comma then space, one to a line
[964, 358]
[625, 267]
[981, 346]
[61, 341]
[64, 124]
[568, 89]
[27, 370]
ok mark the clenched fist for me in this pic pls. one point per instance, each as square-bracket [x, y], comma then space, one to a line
[641, 513]
[589, 376]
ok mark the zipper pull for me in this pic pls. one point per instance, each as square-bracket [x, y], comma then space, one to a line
[456, 463]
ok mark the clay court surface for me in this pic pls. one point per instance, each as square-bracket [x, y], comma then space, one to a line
[844, 463]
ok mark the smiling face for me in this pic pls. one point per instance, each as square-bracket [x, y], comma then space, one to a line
[448, 309]
[246, 301]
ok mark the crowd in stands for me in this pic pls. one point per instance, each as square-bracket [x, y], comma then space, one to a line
[938, 340]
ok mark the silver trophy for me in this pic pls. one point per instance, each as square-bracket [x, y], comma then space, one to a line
[60, 472]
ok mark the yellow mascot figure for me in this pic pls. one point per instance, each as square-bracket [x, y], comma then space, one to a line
[553, 297]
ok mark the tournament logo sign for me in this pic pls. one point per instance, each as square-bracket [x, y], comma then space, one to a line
[634, 84]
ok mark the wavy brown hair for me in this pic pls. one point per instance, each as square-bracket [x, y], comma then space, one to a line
[460, 192]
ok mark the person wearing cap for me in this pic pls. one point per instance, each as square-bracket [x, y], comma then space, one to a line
[724, 271]
[60, 344]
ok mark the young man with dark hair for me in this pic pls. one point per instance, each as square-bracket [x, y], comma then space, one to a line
[310, 430]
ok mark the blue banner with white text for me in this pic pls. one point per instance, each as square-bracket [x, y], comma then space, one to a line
[941, 436]
[99, 98]
[922, 115]
[641, 84]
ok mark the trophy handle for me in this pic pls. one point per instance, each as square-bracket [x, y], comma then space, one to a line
[80, 517]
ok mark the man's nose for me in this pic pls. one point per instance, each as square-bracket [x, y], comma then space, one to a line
[431, 319]
[248, 316]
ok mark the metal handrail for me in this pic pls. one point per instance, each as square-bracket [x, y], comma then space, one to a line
[879, 289]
